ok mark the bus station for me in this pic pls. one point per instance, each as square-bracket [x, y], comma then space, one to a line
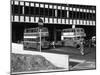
[67, 29]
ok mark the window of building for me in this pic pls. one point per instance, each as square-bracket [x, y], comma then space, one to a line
[91, 16]
[42, 5]
[21, 18]
[94, 16]
[93, 11]
[64, 14]
[74, 15]
[81, 16]
[53, 13]
[59, 13]
[37, 4]
[78, 15]
[70, 14]
[15, 9]
[50, 12]
[41, 11]
[27, 19]
[46, 11]
[16, 18]
[12, 8]
[16, 2]
[32, 10]
[84, 15]
[20, 9]
[32, 4]
[88, 17]
[36, 10]
[26, 3]
[26, 10]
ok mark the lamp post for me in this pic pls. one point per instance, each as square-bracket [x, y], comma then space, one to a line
[40, 24]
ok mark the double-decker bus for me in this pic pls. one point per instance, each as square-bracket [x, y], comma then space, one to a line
[32, 38]
[73, 36]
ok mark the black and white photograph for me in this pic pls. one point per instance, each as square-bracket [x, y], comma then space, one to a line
[52, 37]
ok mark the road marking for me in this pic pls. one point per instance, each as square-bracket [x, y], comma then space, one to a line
[77, 60]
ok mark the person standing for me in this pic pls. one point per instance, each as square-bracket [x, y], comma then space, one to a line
[53, 44]
[82, 47]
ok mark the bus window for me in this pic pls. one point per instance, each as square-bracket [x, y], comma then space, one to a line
[44, 30]
[27, 31]
[78, 30]
[33, 38]
[31, 31]
[73, 30]
[82, 30]
[78, 38]
[66, 38]
[68, 30]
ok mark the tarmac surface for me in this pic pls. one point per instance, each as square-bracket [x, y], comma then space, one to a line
[76, 60]
[74, 53]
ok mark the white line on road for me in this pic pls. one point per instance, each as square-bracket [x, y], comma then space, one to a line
[77, 60]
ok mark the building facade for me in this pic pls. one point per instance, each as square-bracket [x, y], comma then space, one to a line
[53, 13]
[55, 17]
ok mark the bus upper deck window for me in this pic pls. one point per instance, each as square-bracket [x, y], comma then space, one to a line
[69, 31]
[44, 30]
[75, 38]
[73, 30]
[27, 31]
[64, 31]
[78, 30]
[32, 30]
[82, 30]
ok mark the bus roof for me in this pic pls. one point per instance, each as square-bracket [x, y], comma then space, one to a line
[70, 29]
[44, 29]
[35, 28]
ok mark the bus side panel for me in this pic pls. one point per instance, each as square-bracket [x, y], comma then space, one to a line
[31, 46]
[68, 43]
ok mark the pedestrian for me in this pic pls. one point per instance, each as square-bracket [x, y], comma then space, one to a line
[53, 44]
[82, 47]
